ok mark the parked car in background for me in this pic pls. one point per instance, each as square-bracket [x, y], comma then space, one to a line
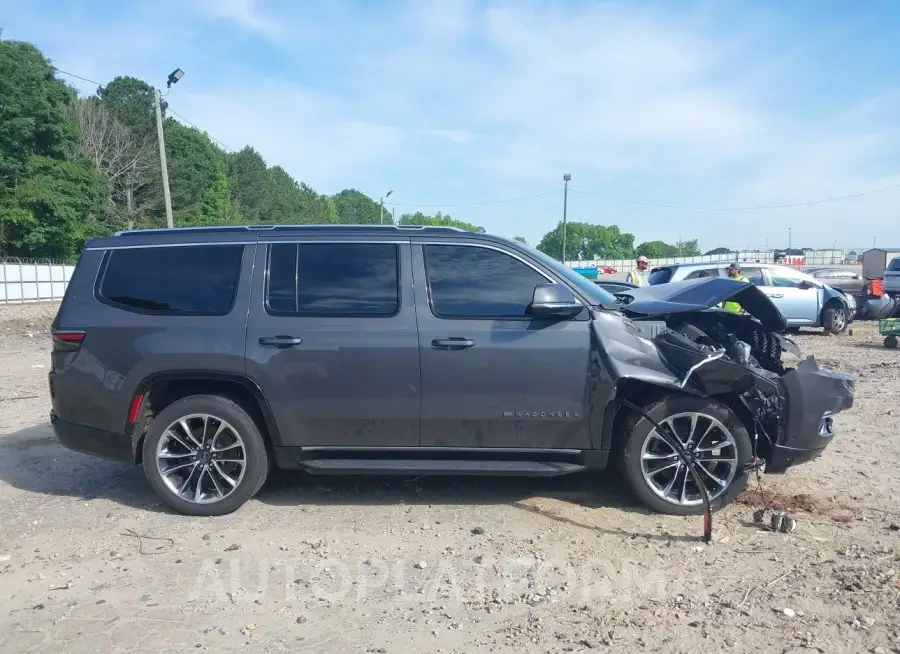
[892, 278]
[803, 300]
[848, 281]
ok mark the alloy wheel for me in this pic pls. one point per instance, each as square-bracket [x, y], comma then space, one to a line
[709, 444]
[201, 458]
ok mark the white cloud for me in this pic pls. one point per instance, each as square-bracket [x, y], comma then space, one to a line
[501, 97]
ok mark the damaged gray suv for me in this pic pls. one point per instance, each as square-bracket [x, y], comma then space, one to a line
[210, 355]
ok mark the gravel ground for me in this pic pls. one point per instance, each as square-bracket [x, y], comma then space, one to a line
[91, 561]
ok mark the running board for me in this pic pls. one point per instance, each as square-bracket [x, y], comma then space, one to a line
[438, 467]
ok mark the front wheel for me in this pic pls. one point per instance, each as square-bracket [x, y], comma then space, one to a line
[205, 456]
[890, 342]
[715, 439]
[835, 319]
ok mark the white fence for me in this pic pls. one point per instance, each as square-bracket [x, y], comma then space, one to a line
[30, 280]
[810, 258]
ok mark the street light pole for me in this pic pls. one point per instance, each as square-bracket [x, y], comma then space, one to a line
[566, 178]
[174, 76]
[383, 198]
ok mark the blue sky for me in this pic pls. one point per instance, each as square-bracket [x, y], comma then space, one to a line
[452, 103]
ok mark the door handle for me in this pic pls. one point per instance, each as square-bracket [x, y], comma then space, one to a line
[775, 294]
[454, 343]
[280, 341]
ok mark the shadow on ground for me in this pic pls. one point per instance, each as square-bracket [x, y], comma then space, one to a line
[33, 461]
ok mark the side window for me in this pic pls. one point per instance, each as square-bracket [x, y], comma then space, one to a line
[706, 272]
[754, 275]
[785, 278]
[474, 282]
[333, 279]
[196, 280]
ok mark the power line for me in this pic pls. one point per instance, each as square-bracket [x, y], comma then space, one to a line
[760, 207]
[208, 135]
[83, 79]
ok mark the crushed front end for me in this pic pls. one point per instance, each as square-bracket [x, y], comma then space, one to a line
[788, 409]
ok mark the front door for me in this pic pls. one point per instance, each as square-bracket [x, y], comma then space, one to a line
[493, 377]
[799, 306]
[331, 341]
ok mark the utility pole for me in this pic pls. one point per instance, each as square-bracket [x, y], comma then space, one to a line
[167, 196]
[174, 76]
[789, 243]
[566, 178]
[383, 197]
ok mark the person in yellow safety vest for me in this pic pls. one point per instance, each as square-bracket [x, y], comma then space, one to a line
[734, 271]
[639, 275]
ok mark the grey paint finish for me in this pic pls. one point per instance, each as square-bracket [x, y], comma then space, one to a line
[94, 386]
[524, 383]
[350, 382]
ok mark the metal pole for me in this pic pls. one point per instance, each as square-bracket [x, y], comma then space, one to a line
[790, 254]
[382, 211]
[162, 160]
[393, 215]
[566, 179]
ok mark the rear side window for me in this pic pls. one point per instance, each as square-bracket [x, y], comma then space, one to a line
[196, 280]
[333, 279]
[706, 272]
[754, 276]
[894, 265]
[660, 276]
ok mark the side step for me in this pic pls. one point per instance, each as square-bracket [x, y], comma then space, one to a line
[439, 467]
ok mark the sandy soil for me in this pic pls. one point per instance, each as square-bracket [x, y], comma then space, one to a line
[91, 561]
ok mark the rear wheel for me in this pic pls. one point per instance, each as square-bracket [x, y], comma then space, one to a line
[835, 319]
[890, 341]
[205, 456]
[715, 439]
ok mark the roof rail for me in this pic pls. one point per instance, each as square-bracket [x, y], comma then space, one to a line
[229, 228]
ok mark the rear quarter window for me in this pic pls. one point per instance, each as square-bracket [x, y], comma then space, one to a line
[196, 280]
[660, 276]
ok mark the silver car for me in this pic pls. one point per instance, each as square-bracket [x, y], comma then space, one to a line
[892, 278]
[803, 300]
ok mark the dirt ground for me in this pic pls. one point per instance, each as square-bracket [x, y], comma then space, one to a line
[90, 560]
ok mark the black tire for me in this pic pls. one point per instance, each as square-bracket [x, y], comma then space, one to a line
[890, 342]
[254, 449]
[638, 428]
[835, 318]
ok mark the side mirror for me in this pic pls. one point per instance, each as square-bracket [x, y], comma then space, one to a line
[806, 285]
[554, 301]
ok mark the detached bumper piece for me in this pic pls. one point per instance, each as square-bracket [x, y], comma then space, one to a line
[813, 397]
[87, 440]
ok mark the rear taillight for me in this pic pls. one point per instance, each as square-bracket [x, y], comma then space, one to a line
[66, 341]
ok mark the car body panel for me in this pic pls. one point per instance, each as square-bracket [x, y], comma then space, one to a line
[321, 390]
[378, 385]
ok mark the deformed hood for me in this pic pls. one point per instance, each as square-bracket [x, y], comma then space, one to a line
[703, 293]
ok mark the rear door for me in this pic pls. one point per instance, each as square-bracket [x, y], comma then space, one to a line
[332, 341]
[492, 376]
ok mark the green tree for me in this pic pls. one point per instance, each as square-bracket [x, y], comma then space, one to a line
[356, 208]
[51, 198]
[438, 220]
[718, 251]
[132, 101]
[689, 248]
[249, 181]
[520, 239]
[194, 164]
[654, 250]
[586, 241]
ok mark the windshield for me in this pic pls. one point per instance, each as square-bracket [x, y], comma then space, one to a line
[894, 265]
[582, 283]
